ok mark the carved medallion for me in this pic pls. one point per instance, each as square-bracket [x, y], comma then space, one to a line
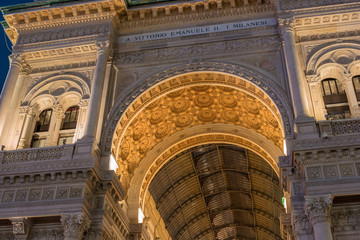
[125, 150]
[252, 121]
[229, 115]
[157, 116]
[204, 100]
[207, 115]
[138, 131]
[251, 106]
[162, 130]
[144, 145]
[179, 105]
[227, 100]
[184, 120]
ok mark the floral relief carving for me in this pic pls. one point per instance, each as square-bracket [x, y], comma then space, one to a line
[282, 110]
[186, 108]
[318, 208]
[74, 224]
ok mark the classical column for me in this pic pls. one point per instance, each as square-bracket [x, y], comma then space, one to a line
[9, 87]
[53, 120]
[28, 115]
[14, 103]
[296, 78]
[97, 85]
[75, 224]
[317, 208]
[351, 96]
[21, 227]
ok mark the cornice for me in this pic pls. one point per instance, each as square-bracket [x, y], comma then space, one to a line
[321, 19]
[178, 15]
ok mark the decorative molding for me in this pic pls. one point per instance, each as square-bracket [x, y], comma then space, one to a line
[317, 208]
[53, 53]
[68, 33]
[268, 42]
[75, 224]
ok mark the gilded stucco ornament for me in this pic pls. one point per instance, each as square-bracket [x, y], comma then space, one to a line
[169, 81]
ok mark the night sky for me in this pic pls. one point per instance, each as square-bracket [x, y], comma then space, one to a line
[4, 52]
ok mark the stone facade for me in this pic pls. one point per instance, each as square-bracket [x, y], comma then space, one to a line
[101, 94]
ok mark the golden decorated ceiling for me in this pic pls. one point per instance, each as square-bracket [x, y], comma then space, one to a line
[184, 108]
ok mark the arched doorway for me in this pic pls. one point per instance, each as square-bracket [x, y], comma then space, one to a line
[192, 109]
[217, 191]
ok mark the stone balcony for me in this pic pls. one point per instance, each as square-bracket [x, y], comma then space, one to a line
[47, 159]
[343, 127]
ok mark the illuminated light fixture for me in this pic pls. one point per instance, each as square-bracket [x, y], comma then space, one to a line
[141, 216]
[285, 148]
[284, 202]
[113, 165]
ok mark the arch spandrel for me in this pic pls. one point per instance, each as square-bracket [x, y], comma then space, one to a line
[230, 75]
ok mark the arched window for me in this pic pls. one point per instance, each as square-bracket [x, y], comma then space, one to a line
[335, 99]
[71, 116]
[44, 121]
[356, 82]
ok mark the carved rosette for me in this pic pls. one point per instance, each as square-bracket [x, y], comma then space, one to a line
[318, 208]
[74, 224]
[16, 59]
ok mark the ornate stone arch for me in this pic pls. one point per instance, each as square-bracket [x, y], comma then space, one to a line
[337, 53]
[258, 81]
[58, 84]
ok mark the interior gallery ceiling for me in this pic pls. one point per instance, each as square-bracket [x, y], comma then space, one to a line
[218, 192]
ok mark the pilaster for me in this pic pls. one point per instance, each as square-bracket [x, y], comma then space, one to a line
[7, 93]
[97, 86]
[351, 96]
[27, 113]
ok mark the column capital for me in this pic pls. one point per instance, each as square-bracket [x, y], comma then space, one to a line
[102, 46]
[16, 58]
[313, 79]
[26, 110]
[286, 25]
[318, 208]
[75, 224]
[84, 103]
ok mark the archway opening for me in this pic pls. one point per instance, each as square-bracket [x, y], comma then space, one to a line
[216, 191]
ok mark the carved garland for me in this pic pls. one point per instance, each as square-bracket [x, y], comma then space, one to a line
[277, 96]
